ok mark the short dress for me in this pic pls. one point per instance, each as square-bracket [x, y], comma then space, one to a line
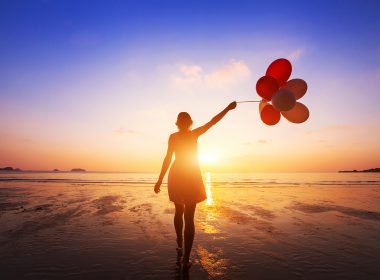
[185, 183]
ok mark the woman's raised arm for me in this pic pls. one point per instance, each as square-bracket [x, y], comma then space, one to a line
[202, 129]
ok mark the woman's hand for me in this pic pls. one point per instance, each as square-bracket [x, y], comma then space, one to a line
[157, 186]
[232, 106]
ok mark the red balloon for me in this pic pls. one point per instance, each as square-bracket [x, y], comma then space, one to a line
[280, 69]
[269, 115]
[266, 86]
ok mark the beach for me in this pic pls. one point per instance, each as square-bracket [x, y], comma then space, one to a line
[59, 225]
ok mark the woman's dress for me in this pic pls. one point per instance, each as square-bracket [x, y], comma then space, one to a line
[185, 183]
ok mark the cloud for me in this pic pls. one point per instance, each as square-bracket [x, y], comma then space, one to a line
[296, 54]
[194, 76]
[329, 129]
[190, 76]
[231, 73]
[194, 71]
[122, 131]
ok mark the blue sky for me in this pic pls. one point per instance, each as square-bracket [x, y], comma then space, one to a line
[65, 64]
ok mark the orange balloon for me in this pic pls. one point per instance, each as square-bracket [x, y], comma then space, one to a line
[299, 114]
[297, 86]
[262, 104]
[269, 115]
[266, 86]
[280, 69]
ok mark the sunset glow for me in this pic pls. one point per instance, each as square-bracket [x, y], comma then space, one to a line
[102, 91]
[209, 157]
[202, 139]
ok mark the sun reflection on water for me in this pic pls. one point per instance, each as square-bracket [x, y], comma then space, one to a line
[209, 200]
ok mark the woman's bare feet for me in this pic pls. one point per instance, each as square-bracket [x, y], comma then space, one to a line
[186, 265]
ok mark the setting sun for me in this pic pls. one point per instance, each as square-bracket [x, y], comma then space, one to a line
[208, 157]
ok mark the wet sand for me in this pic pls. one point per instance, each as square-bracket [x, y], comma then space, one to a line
[75, 231]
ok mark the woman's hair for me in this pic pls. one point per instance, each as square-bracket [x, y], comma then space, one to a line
[184, 121]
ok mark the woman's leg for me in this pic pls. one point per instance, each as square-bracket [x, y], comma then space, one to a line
[189, 230]
[178, 223]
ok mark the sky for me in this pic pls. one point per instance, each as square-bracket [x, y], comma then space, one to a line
[98, 84]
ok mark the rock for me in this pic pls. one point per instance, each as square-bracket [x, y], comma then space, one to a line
[8, 168]
[78, 170]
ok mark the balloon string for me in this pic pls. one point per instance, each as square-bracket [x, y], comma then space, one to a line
[248, 101]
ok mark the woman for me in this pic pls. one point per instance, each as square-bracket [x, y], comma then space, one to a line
[185, 184]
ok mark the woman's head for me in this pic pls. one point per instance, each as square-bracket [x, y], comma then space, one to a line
[184, 121]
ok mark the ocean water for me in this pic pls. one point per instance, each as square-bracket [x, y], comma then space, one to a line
[218, 179]
[64, 225]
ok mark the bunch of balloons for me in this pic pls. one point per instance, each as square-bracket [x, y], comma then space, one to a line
[274, 87]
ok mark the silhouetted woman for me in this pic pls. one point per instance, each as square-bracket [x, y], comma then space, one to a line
[185, 184]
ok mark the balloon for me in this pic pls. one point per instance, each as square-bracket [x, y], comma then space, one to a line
[280, 69]
[299, 113]
[283, 100]
[266, 86]
[297, 86]
[262, 104]
[269, 115]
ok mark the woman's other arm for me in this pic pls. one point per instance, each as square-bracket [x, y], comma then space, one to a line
[165, 165]
[202, 129]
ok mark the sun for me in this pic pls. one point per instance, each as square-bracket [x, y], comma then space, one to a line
[208, 157]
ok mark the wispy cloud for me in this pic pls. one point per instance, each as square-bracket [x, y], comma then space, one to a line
[122, 131]
[330, 128]
[296, 54]
[227, 76]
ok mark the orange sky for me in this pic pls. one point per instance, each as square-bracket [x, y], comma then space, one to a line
[75, 92]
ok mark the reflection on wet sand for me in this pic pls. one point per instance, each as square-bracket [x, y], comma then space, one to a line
[208, 211]
[50, 230]
[212, 262]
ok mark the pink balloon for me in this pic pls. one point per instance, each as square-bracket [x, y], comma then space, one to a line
[297, 86]
[299, 114]
[283, 100]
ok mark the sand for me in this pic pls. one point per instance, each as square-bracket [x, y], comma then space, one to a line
[97, 231]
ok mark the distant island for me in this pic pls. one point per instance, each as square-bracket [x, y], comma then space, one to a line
[12, 169]
[8, 168]
[78, 170]
[366, 170]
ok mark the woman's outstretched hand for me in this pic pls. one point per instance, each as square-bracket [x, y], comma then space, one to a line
[232, 106]
[157, 186]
